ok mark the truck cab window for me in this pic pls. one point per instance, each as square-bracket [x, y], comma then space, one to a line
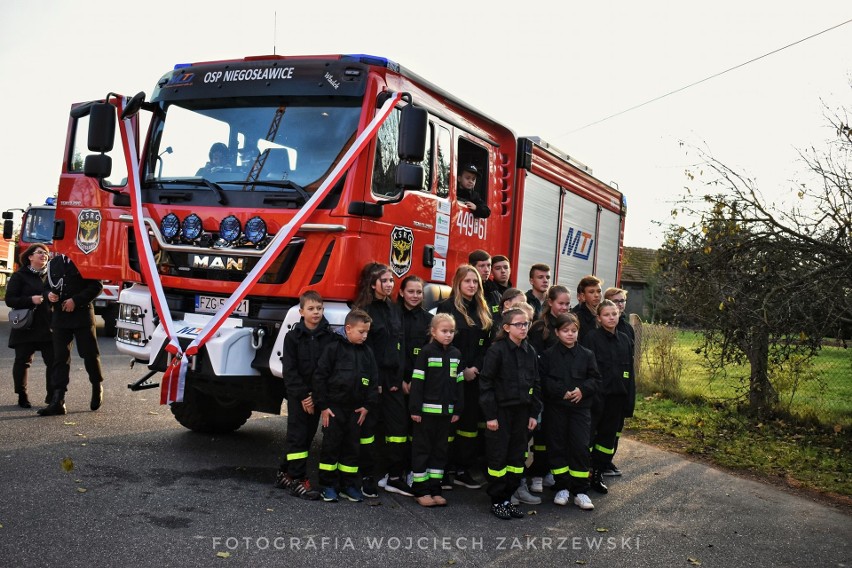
[472, 178]
[80, 149]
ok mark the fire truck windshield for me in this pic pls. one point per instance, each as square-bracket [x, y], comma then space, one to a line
[254, 148]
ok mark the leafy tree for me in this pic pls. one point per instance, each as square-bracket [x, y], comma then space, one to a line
[764, 282]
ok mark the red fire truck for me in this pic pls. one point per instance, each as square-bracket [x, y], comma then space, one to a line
[262, 177]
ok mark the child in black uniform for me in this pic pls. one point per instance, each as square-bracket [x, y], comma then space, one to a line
[511, 402]
[436, 401]
[386, 339]
[614, 354]
[345, 389]
[303, 346]
[569, 380]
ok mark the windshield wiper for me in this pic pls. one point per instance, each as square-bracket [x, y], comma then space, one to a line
[284, 184]
[215, 187]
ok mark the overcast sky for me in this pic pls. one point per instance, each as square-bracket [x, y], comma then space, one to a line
[542, 68]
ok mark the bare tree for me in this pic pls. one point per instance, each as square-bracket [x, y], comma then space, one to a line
[763, 282]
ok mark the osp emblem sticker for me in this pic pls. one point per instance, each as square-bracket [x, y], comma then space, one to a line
[88, 230]
[402, 241]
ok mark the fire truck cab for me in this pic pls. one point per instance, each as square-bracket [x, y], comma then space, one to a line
[236, 149]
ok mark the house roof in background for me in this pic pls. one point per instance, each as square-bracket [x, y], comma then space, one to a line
[638, 264]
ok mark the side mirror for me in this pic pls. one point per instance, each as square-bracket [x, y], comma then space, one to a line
[409, 176]
[98, 166]
[8, 215]
[413, 124]
[8, 228]
[101, 127]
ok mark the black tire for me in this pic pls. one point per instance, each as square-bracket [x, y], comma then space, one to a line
[207, 415]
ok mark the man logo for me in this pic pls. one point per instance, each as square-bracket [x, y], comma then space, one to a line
[402, 241]
[579, 244]
[217, 262]
[88, 230]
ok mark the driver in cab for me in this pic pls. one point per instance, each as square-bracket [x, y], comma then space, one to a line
[218, 160]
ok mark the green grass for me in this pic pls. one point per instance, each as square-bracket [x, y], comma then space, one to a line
[825, 396]
[810, 456]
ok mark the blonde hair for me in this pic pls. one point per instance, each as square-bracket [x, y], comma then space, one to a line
[610, 292]
[481, 306]
[527, 309]
[443, 317]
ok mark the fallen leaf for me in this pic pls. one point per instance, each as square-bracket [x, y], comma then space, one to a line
[694, 561]
[533, 512]
[602, 529]
[70, 423]
[67, 464]
[153, 412]
[1, 525]
[223, 554]
[80, 434]
[450, 562]
[84, 444]
[270, 510]
[81, 490]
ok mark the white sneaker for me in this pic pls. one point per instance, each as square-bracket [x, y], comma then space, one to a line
[537, 485]
[549, 481]
[562, 497]
[383, 482]
[582, 500]
[409, 479]
[522, 495]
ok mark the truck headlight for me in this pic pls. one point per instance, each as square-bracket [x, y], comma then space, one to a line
[131, 336]
[130, 313]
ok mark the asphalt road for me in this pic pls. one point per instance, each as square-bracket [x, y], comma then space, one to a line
[145, 492]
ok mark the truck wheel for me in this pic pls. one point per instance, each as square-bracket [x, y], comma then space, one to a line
[205, 414]
[109, 324]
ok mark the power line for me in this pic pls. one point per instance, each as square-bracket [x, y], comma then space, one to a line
[720, 73]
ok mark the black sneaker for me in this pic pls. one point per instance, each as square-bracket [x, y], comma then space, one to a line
[611, 471]
[465, 479]
[447, 481]
[514, 511]
[399, 486]
[369, 488]
[501, 511]
[597, 483]
[303, 490]
[284, 481]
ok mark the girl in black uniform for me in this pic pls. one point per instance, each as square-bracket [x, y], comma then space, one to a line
[511, 402]
[469, 309]
[569, 382]
[437, 399]
[387, 343]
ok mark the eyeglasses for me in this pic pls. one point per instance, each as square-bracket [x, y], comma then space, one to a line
[40, 253]
[520, 324]
[619, 301]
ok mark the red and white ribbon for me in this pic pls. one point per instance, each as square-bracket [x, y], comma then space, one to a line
[173, 381]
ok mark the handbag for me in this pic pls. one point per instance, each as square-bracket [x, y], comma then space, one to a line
[21, 318]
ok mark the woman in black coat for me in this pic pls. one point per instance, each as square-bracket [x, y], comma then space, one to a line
[26, 289]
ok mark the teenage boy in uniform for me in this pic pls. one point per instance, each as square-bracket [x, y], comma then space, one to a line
[588, 296]
[501, 273]
[303, 345]
[540, 282]
[481, 261]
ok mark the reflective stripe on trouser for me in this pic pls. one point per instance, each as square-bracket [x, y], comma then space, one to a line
[429, 449]
[301, 429]
[504, 450]
[609, 421]
[339, 454]
[538, 444]
[468, 444]
[567, 445]
[397, 425]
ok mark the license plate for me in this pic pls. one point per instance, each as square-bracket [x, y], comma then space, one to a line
[212, 304]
